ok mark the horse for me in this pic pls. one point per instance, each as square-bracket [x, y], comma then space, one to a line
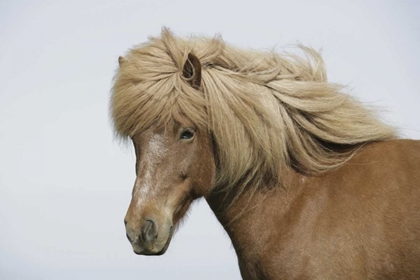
[308, 182]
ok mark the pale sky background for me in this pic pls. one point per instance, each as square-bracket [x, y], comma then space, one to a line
[65, 184]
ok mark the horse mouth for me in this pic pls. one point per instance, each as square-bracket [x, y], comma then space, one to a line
[146, 252]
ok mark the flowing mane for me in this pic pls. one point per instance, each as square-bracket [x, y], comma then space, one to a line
[264, 110]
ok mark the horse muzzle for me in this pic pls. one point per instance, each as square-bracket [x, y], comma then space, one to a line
[149, 238]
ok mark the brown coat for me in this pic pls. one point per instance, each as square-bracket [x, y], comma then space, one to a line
[359, 222]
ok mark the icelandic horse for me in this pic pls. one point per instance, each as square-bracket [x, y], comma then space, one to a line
[307, 182]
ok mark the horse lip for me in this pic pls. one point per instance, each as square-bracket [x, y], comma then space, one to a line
[161, 252]
[137, 252]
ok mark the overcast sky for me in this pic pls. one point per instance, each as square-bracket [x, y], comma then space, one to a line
[65, 184]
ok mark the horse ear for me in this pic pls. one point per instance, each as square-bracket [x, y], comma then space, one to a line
[192, 71]
[121, 60]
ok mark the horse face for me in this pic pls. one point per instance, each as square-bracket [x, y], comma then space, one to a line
[174, 166]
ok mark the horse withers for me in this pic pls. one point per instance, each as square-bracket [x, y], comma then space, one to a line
[307, 182]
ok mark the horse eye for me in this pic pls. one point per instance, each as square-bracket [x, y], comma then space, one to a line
[187, 134]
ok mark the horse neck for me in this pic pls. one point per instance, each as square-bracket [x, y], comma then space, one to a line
[251, 221]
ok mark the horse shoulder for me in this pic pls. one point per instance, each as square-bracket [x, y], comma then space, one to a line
[360, 221]
[371, 212]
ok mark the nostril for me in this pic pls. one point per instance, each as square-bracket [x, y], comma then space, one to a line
[125, 222]
[148, 230]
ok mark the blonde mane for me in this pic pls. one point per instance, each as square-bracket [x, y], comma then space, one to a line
[264, 110]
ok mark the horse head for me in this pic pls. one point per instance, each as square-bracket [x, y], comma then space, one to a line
[175, 165]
